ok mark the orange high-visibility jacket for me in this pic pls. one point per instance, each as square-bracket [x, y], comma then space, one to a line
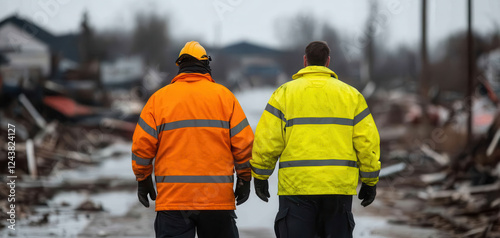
[197, 134]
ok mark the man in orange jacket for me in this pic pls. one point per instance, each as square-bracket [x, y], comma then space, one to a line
[197, 134]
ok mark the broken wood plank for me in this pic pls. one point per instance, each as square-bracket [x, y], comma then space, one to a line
[30, 154]
[475, 231]
[50, 129]
[484, 188]
[462, 192]
[40, 122]
[493, 143]
[439, 158]
[60, 154]
[392, 169]
[433, 178]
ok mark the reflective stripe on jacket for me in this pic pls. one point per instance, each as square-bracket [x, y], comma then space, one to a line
[197, 135]
[323, 133]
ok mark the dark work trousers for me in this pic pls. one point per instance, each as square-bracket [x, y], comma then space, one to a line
[312, 216]
[207, 224]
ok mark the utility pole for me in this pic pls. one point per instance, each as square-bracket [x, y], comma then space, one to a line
[470, 72]
[368, 60]
[424, 63]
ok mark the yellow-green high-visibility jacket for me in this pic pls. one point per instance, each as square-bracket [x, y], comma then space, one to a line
[323, 134]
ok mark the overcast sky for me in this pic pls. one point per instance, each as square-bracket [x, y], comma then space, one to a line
[228, 21]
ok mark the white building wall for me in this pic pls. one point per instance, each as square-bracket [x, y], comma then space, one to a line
[24, 50]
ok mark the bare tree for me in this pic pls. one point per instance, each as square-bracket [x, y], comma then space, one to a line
[150, 38]
[114, 43]
[298, 31]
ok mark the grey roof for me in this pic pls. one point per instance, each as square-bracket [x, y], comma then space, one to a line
[66, 45]
[246, 48]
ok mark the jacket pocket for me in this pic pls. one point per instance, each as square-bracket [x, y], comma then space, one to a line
[280, 226]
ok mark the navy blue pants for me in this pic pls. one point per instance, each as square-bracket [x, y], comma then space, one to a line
[207, 224]
[312, 216]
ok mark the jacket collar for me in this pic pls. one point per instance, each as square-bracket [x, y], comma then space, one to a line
[192, 77]
[314, 70]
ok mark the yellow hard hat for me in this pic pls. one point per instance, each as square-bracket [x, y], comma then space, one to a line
[193, 48]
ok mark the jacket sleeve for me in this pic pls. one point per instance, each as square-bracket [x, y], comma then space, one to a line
[241, 141]
[366, 143]
[269, 140]
[144, 142]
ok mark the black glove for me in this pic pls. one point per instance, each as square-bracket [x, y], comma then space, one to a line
[262, 189]
[144, 188]
[242, 191]
[367, 193]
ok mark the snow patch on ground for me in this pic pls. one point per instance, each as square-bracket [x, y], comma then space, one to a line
[255, 213]
[253, 102]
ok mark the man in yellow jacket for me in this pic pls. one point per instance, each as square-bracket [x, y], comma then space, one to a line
[325, 138]
[198, 135]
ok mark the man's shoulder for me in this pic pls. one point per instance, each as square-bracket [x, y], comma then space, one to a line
[282, 88]
[348, 87]
[221, 87]
[337, 82]
[161, 90]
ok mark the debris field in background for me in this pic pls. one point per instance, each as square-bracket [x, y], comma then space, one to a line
[53, 136]
[431, 176]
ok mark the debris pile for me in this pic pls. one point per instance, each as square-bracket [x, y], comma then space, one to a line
[43, 146]
[443, 181]
[88, 205]
[50, 136]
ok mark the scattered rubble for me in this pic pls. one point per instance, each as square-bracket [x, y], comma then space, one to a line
[88, 205]
[453, 185]
[57, 144]
[52, 137]
[430, 175]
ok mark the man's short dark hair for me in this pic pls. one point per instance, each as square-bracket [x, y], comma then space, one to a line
[317, 53]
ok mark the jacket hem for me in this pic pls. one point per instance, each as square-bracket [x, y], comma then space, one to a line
[318, 192]
[194, 207]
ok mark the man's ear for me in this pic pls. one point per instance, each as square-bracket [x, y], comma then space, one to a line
[327, 62]
[305, 61]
